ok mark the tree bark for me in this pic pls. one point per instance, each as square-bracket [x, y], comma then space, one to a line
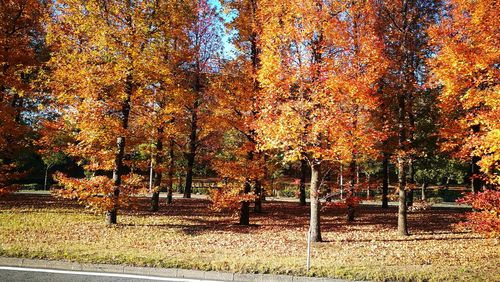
[111, 215]
[157, 174]
[258, 194]
[411, 177]
[385, 181]
[353, 178]
[245, 205]
[193, 137]
[424, 187]
[46, 178]
[315, 203]
[302, 184]
[190, 156]
[476, 183]
[170, 181]
[402, 208]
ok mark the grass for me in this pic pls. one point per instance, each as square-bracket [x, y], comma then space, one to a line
[189, 235]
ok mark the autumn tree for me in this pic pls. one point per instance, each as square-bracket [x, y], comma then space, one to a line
[466, 65]
[237, 109]
[311, 85]
[403, 24]
[107, 54]
[21, 39]
[200, 64]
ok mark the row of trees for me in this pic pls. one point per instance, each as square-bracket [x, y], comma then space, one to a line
[120, 86]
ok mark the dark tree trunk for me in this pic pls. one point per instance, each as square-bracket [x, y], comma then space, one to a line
[46, 180]
[245, 205]
[476, 183]
[190, 156]
[258, 194]
[302, 187]
[315, 224]
[119, 154]
[155, 198]
[170, 181]
[385, 181]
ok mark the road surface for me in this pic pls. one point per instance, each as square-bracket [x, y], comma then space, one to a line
[22, 274]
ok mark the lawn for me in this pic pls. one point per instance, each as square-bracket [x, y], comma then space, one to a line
[188, 234]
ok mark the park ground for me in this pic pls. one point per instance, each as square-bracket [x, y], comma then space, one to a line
[188, 234]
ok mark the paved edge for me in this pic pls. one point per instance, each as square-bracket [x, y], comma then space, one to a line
[161, 272]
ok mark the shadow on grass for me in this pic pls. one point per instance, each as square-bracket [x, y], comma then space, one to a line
[200, 218]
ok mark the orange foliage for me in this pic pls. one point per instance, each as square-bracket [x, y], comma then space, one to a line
[466, 66]
[96, 192]
[320, 65]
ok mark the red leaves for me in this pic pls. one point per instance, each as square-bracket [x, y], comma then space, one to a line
[486, 217]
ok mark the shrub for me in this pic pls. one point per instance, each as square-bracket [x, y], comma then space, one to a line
[485, 217]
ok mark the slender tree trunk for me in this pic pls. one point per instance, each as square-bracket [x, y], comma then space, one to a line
[411, 177]
[315, 224]
[424, 187]
[476, 182]
[385, 181]
[180, 187]
[190, 160]
[46, 178]
[367, 185]
[245, 205]
[341, 182]
[157, 174]
[170, 181]
[258, 194]
[353, 177]
[402, 209]
[193, 140]
[119, 154]
[302, 187]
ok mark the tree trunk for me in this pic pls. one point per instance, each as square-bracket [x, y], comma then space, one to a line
[157, 175]
[424, 187]
[170, 181]
[315, 203]
[367, 186]
[46, 178]
[193, 141]
[302, 184]
[402, 209]
[411, 177]
[120, 153]
[245, 206]
[117, 173]
[353, 178]
[385, 181]
[258, 194]
[190, 161]
[341, 184]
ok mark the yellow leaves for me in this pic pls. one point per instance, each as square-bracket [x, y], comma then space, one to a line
[97, 192]
[466, 67]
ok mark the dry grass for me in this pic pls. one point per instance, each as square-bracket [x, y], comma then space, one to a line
[189, 235]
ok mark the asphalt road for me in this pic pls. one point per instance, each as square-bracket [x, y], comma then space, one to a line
[21, 274]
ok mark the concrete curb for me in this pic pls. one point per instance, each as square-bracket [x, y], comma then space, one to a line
[161, 272]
